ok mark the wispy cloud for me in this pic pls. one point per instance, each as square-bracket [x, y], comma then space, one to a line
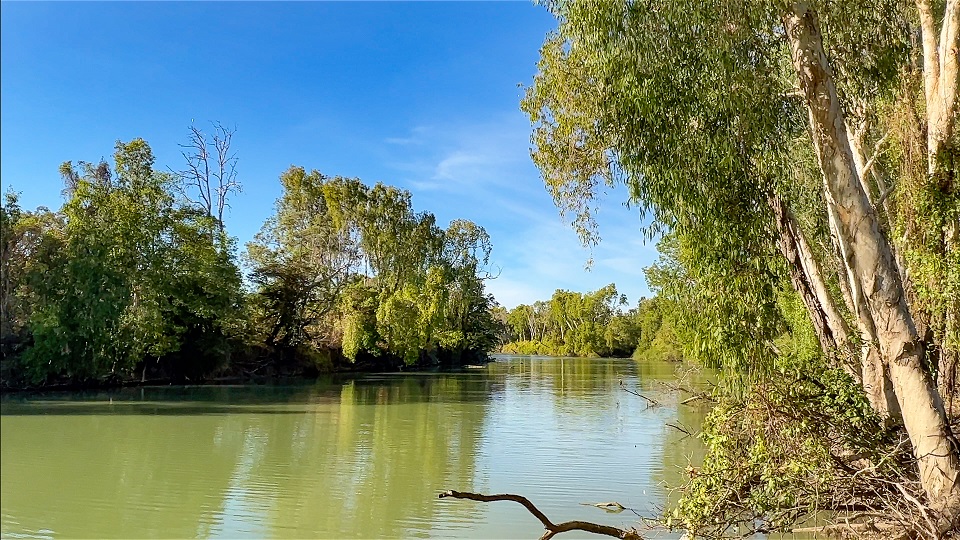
[414, 137]
[483, 172]
[402, 141]
[461, 164]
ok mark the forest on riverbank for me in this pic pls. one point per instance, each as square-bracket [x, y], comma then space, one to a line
[135, 277]
[798, 162]
[795, 161]
[592, 324]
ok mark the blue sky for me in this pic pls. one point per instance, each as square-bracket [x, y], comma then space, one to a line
[424, 96]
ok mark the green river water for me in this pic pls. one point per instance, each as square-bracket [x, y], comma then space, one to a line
[357, 457]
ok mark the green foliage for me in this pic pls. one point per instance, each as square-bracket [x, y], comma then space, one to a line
[785, 450]
[719, 319]
[26, 238]
[692, 106]
[344, 265]
[928, 227]
[133, 276]
[592, 324]
[534, 348]
[699, 135]
[360, 321]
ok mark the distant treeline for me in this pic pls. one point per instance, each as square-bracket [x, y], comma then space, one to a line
[136, 278]
[592, 324]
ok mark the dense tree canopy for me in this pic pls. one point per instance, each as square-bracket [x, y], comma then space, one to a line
[346, 266]
[135, 278]
[124, 276]
[592, 324]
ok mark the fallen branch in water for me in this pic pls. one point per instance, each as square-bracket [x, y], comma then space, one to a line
[651, 401]
[552, 529]
[679, 427]
[702, 396]
[608, 506]
[694, 395]
[615, 508]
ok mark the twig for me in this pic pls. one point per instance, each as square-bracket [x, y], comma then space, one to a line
[919, 505]
[876, 152]
[680, 428]
[652, 402]
[552, 529]
[886, 193]
[703, 396]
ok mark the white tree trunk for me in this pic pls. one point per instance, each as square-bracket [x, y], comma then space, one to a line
[940, 66]
[940, 77]
[831, 329]
[876, 380]
[871, 266]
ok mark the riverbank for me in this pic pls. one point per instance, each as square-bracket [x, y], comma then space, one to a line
[258, 370]
[653, 352]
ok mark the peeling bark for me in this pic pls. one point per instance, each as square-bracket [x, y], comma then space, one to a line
[873, 270]
[876, 380]
[832, 331]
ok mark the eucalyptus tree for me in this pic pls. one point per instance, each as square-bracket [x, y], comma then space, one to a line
[811, 143]
[343, 265]
[93, 315]
[302, 260]
[465, 257]
[520, 321]
[24, 238]
[573, 323]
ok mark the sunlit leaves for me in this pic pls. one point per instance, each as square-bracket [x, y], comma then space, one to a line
[342, 264]
[135, 275]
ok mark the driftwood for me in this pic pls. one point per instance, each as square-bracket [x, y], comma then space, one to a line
[612, 507]
[552, 529]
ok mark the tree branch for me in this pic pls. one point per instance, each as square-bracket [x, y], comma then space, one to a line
[552, 529]
[651, 401]
[873, 158]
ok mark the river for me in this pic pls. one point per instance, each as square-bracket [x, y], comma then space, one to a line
[349, 457]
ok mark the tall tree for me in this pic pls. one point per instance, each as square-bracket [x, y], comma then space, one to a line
[25, 238]
[211, 174]
[343, 265]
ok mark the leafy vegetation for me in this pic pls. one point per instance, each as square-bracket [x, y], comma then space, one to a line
[123, 277]
[348, 267]
[592, 324]
[135, 277]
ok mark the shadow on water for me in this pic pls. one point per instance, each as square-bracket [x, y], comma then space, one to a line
[260, 399]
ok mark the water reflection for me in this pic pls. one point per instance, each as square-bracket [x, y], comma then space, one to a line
[362, 457]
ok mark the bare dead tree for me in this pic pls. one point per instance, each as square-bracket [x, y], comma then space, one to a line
[211, 174]
[552, 529]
